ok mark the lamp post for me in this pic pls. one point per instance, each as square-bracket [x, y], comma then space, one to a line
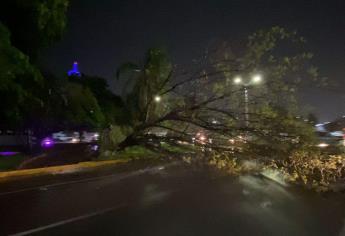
[256, 79]
[157, 98]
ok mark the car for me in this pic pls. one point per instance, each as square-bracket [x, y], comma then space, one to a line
[66, 137]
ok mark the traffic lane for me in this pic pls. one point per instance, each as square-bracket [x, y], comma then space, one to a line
[195, 203]
[29, 209]
[60, 203]
[246, 206]
[32, 182]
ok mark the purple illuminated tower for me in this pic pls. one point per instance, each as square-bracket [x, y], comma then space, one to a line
[75, 71]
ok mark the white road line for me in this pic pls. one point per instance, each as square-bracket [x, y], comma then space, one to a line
[68, 182]
[120, 176]
[57, 184]
[63, 222]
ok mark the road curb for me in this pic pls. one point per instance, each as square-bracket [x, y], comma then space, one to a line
[64, 169]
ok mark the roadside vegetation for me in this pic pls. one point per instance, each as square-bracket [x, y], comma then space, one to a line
[313, 170]
[131, 153]
[11, 162]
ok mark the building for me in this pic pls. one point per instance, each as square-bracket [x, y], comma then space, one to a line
[75, 71]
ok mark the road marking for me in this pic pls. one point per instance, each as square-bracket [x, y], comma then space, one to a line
[121, 176]
[45, 187]
[63, 222]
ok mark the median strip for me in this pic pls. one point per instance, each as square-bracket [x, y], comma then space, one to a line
[117, 176]
[82, 166]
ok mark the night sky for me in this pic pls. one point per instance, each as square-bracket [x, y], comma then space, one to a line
[103, 34]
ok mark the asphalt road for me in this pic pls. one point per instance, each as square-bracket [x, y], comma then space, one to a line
[173, 200]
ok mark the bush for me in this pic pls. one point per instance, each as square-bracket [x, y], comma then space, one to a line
[227, 162]
[11, 162]
[113, 136]
[312, 169]
[308, 168]
[133, 153]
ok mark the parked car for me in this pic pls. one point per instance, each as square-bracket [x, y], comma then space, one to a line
[66, 137]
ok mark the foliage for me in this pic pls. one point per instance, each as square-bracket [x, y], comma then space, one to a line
[25, 27]
[141, 85]
[226, 162]
[34, 24]
[312, 118]
[19, 80]
[312, 169]
[82, 108]
[203, 98]
[11, 162]
[111, 105]
[49, 115]
[177, 149]
[280, 57]
[304, 167]
[132, 153]
[69, 104]
[278, 133]
[114, 135]
[145, 83]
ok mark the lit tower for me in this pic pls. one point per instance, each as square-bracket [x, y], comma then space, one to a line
[75, 71]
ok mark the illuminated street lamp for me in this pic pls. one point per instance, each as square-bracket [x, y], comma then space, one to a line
[255, 79]
[238, 80]
[157, 98]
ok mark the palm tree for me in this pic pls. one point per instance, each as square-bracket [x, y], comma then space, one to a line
[141, 84]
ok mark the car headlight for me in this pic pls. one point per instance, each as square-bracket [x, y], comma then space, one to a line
[323, 145]
[75, 140]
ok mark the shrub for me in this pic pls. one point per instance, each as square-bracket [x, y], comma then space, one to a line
[311, 169]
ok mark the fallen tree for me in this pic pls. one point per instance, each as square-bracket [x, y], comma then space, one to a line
[202, 105]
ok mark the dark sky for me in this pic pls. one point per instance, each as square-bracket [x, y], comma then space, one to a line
[102, 34]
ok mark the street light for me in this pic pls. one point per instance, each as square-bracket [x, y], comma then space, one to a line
[238, 80]
[255, 79]
[158, 98]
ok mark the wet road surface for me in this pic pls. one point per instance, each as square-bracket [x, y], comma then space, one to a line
[172, 200]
